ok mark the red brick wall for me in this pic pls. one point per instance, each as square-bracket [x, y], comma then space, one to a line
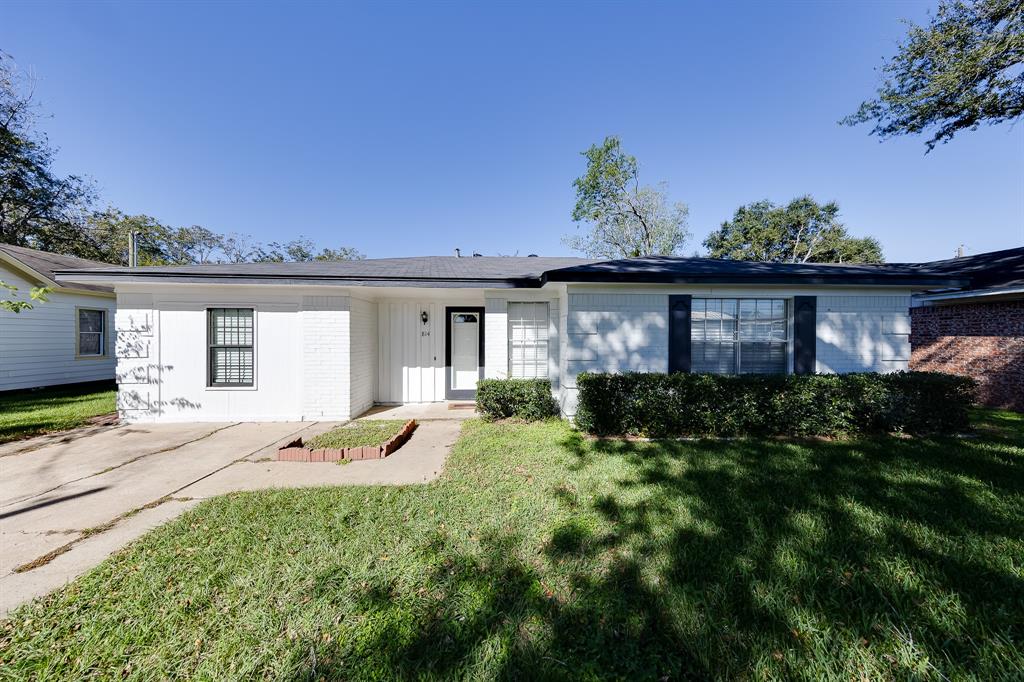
[980, 340]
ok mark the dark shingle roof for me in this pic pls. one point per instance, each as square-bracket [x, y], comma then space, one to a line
[427, 271]
[985, 270]
[500, 271]
[47, 263]
[668, 269]
[420, 267]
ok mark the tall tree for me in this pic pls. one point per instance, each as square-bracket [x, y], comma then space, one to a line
[38, 207]
[107, 231]
[803, 231]
[626, 219]
[194, 244]
[961, 70]
[302, 250]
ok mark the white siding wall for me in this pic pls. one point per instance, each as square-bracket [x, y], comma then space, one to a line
[858, 330]
[38, 346]
[496, 337]
[610, 332]
[363, 355]
[863, 333]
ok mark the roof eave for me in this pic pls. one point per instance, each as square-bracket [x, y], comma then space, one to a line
[833, 280]
[115, 278]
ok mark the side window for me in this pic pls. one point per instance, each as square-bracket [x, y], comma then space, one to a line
[528, 340]
[92, 332]
[230, 358]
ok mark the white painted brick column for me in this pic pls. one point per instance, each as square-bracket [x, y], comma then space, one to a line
[326, 357]
[137, 351]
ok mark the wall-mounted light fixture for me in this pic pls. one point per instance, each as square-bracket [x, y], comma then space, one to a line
[424, 317]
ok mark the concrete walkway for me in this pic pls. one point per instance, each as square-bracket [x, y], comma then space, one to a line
[67, 503]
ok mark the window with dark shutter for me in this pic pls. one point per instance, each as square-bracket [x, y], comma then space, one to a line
[230, 357]
[739, 335]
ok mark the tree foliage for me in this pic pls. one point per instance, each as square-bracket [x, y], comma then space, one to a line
[626, 219]
[302, 250]
[38, 207]
[803, 231]
[961, 70]
[15, 305]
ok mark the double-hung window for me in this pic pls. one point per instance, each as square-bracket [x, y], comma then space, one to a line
[230, 360]
[92, 332]
[528, 340]
[739, 336]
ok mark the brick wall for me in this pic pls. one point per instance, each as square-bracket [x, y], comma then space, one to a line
[362, 355]
[980, 340]
[325, 354]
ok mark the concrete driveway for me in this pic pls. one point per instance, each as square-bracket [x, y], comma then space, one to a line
[68, 502]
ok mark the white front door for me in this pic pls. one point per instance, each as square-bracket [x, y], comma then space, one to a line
[465, 367]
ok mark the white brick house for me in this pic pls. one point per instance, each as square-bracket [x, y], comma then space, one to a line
[309, 341]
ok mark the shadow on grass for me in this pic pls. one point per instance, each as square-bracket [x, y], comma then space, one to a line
[723, 559]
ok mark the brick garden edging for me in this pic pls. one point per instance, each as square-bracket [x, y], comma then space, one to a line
[295, 452]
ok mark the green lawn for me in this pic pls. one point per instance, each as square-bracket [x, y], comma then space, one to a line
[43, 410]
[541, 554]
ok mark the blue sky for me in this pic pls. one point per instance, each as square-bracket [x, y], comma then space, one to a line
[411, 129]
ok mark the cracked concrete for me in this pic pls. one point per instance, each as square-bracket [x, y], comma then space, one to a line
[68, 502]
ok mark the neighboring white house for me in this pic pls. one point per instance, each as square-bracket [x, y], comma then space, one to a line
[310, 341]
[62, 341]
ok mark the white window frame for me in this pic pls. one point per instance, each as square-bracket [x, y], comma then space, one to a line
[540, 365]
[79, 355]
[210, 385]
[737, 339]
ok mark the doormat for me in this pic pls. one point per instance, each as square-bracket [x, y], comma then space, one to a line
[461, 406]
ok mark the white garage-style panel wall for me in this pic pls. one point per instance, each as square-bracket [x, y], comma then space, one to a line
[38, 347]
[410, 354]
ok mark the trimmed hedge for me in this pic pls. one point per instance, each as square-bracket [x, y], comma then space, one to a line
[663, 405]
[528, 399]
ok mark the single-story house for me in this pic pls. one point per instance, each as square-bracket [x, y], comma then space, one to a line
[63, 340]
[976, 331]
[327, 340]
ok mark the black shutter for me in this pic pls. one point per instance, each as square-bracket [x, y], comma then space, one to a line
[679, 333]
[805, 317]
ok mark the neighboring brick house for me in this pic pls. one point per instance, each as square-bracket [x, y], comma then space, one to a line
[978, 331]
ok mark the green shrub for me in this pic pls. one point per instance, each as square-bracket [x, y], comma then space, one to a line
[661, 405]
[528, 399]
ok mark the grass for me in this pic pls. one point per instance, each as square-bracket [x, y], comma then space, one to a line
[358, 433]
[544, 555]
[44, 410]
